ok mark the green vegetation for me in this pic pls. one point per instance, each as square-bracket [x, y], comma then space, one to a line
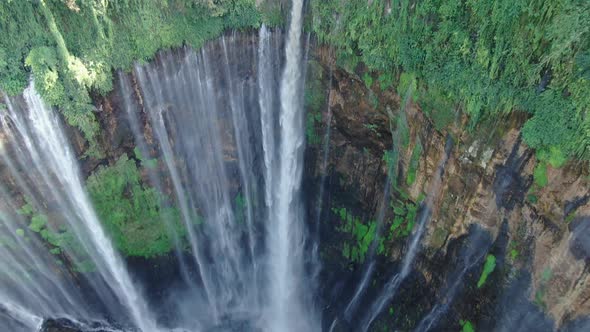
[513, 254]
[147, 163]
[570, 217]
[532, 198]
[466, 326]
[414, 163]
[404, 220]
[362, 236]
[488, 268]
[391, 158]
[485, 58]
[133, 214]
[56, 235]
[240, 208]
[546, 276]
[71, 46]
[314, 98]
[540, 175]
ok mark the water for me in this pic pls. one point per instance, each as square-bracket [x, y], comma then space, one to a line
[286, 229]
[41, 147]
[390, 181]
[188, 109]
[477, 244]
[394, 282]
[130, 106]
[21, 316]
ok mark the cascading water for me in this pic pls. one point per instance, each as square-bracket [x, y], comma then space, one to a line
[40, 147]
[285, 227]
[477, 244]
[222, 129]
[395, 281]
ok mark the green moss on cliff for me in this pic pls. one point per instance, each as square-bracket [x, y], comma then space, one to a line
[361, 236]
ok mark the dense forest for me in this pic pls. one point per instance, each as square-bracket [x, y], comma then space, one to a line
[483, 58]
[70, 58]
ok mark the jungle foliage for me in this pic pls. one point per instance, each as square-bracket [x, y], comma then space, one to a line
[135, 215]
[72, 46]
[486, 58]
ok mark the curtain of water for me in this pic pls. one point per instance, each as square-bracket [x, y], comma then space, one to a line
[228, 132]
[40, 147]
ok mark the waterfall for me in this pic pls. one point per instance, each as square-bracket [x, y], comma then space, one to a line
[21, 315]
[285, 226]
[185, 106]
[392, 285]
[45, 152]
[267, 101]
[477, 244]
[223, 130]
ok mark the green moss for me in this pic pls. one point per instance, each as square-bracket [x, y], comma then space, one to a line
[570, 217]
[314, 101]
[540, 174]
[513, 254]
[532, 198]
[414, 163]
[240, 208]
[147, 163]
[58, 237]
[488, 268]
[466, 326]
[361, 236]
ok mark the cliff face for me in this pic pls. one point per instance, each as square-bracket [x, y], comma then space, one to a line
[538, 234]
[488, 181]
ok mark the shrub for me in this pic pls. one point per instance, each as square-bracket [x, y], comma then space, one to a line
[132, 213]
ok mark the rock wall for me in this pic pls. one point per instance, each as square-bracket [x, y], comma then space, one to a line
[541, 231]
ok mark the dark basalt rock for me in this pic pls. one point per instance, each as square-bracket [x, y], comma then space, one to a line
[67, 325]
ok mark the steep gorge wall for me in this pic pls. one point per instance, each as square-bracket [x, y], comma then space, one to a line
[489, 181]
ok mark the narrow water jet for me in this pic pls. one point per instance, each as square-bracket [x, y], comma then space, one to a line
[477, 245]
[394, 282]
